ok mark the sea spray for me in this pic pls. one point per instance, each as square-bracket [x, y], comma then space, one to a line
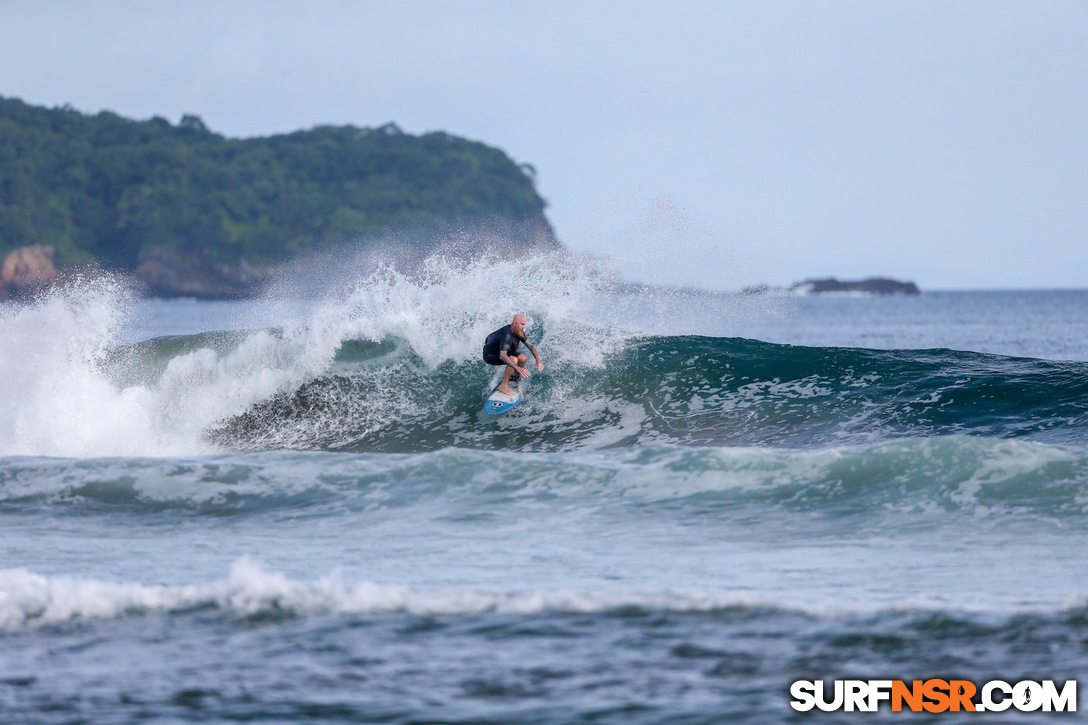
[55, 398]
[393, 365]
[71, 389]
[61, 398]
[446, 307]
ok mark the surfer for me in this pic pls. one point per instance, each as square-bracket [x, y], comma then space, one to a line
[501, 348]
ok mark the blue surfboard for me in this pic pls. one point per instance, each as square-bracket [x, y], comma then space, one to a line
[498, 402]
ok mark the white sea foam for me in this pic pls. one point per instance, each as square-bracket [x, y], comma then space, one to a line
[446, 308]
[58, 398]
[54, 397]
[29, 599]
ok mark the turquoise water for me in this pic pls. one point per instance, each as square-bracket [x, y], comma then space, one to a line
[296, 510]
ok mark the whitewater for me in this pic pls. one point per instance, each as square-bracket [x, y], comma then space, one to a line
[293, 509]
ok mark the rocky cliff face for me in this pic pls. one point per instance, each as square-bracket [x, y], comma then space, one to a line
[164, 276]
[25, 271]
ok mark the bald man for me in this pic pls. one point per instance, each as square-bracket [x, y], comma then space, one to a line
[501, 348]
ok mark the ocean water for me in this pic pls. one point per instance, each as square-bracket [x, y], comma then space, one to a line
[295, 511]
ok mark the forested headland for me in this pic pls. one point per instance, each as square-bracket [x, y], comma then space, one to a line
[190, 211]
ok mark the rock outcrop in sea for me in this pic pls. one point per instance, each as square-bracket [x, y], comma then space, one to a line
[871, 286]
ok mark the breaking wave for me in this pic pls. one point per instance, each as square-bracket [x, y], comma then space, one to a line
[393, 366]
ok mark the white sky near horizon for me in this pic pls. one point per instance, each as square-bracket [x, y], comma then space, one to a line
[718, 144]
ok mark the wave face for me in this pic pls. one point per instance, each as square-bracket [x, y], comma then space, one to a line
[394, 366]
[677, 390]
[70, 385]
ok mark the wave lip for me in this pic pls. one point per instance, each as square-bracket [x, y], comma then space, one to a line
[69, 386]
[394, 367]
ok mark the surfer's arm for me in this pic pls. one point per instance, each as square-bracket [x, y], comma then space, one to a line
[532, 349]
[512, 361]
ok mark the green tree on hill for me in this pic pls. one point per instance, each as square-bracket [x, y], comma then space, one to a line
[114, 191]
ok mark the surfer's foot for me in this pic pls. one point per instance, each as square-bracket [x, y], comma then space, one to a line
[505, 390]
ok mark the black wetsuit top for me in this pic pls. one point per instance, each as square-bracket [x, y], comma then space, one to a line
[501, 339]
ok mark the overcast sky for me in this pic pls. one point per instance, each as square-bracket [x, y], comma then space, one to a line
[712, 143]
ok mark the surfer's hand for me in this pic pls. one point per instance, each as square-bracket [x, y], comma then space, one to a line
[539, 366]
[523, 372]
